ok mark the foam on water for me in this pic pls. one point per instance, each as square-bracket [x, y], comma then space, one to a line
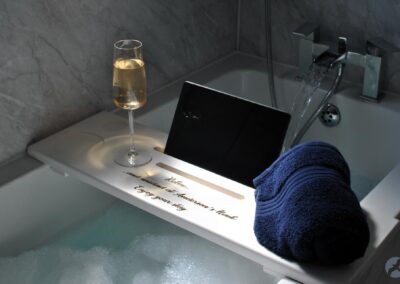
[127, 245]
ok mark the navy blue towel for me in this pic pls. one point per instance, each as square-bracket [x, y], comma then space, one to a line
[306, 210]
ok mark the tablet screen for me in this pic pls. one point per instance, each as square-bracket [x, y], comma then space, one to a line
[230, 136]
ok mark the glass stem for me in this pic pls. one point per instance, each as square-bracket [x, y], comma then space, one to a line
[132, 150]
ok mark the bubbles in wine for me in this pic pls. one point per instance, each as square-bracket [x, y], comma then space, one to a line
[129, 83]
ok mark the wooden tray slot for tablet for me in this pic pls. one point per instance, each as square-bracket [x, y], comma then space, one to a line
[200, 181]
[159, 149]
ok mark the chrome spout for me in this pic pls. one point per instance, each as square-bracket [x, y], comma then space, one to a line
[330, 59]
[309, 46]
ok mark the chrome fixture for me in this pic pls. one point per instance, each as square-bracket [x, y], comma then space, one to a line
[331, 59]
[330, 115]
[371, 62]
[309, 46]
[311, 50]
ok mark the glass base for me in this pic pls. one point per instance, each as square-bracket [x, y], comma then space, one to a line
[130, 159]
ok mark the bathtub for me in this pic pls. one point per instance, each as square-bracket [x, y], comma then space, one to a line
[39, 204]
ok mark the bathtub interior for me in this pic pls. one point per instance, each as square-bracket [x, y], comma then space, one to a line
[68, 232]
[93, 223]
[41, 205]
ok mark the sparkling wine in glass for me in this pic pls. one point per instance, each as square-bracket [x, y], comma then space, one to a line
[130, 93]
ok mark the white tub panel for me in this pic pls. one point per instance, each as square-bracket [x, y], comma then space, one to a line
[41, 205]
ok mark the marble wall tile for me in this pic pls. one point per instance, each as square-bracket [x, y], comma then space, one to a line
[359, 20]
[55, 55]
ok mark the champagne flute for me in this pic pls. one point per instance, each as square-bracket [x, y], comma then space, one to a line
[130, 93]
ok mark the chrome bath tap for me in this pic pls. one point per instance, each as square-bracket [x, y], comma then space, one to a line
[330, 59]
[371, 63]
[312, 51]
[309, 46]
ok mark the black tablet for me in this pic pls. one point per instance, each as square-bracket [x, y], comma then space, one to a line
[230, 136]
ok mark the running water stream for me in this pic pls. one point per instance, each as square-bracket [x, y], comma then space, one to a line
[305, 102]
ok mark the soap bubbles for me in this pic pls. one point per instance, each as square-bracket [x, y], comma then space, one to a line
[172, 257]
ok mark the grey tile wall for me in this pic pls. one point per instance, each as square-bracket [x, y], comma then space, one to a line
[358, 20]
[55, 56]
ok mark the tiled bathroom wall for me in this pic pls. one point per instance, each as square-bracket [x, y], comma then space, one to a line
[359, 20]
[56, 56]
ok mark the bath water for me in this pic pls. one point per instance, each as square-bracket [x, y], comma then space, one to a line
[362, 184]
[127, 245]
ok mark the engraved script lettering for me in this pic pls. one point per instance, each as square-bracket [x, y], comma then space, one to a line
[183, 195]
[178, 206]
[153, 183]
[223, 213]
[162, 199]
[175, 181]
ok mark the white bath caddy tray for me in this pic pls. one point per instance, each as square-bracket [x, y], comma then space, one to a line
[197, 200]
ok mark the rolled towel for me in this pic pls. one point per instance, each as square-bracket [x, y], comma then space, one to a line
[306, 210]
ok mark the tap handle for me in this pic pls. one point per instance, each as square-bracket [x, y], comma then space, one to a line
[342, 45]
[308, 31]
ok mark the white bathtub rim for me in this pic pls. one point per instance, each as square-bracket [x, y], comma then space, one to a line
[17, 168]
